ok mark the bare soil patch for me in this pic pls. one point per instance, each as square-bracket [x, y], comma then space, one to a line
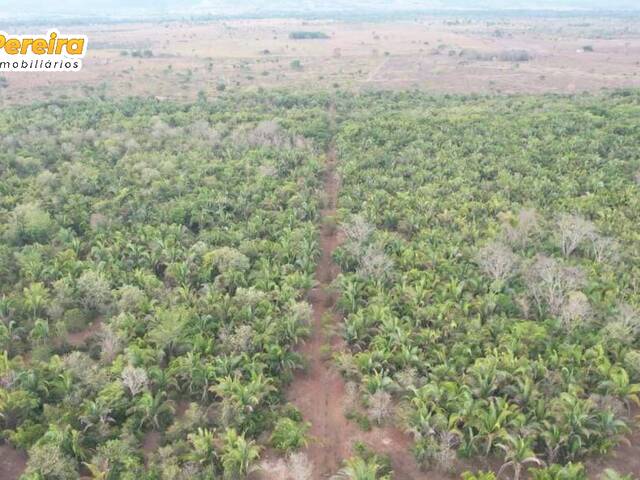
[78, 339]
[426, 53]
[12, 462]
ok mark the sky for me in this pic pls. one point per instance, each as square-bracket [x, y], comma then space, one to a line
[123, 8]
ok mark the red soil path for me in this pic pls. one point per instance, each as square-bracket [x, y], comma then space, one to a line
[319, 392]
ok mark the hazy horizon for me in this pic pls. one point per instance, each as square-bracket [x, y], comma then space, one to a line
[124, 8]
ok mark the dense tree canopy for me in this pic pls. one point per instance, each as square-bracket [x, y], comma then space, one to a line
[491, 285]
[153, 255]
[155, 259]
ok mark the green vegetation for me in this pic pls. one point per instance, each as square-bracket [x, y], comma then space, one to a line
[303, 35]
[155, 260]
[181, 239]
[490, 271]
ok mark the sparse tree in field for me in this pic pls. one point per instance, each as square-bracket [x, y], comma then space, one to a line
[31, 223]
[497, 261]
[632, 363]
[445, 455]
[49, 461]
[625, 326]
[238, 341]
[358, 230]
[131, 299]
[572, 231]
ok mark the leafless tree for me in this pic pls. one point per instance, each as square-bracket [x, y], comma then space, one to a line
[605, 249]
[374, 264]
[572, 231]
[575, 309]
[300, 467]
[111, 345]
[526, 226]
[358, 230]
[135, 379]
[629, 316]
[380, 406]
[446, 454]
[497, 260]
[523, 303]
[549, 282]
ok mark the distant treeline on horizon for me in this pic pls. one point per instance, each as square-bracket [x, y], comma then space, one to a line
[372, 16]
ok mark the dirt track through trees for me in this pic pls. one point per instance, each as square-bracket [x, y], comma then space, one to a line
[319, 392]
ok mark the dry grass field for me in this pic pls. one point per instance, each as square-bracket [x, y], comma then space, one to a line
[440, 54]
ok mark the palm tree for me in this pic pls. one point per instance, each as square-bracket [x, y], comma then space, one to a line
[243, 397]
[619, 385]
[152, 408]
[97, 472]
[518, 454]
[610, 474]
[357, 468]
[203, 451]
[493, 421]
[238, 455]
[40, 331]
[35, 298]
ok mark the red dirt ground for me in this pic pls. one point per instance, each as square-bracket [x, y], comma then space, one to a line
[78, 339]
[12, 462]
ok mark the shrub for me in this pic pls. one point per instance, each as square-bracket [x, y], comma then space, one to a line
[290, 435]
[302, 35]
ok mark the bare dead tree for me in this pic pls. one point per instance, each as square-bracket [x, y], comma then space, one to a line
[629, 316]
[497, 261]
[135, 379]
[549, 282]
[374, 264]
[575, 310]
[299, 466]
[358, 230]
[380, 406]
[605, 249]
[110, 344]
[572, 231]
[445, 456]
[527, 225]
